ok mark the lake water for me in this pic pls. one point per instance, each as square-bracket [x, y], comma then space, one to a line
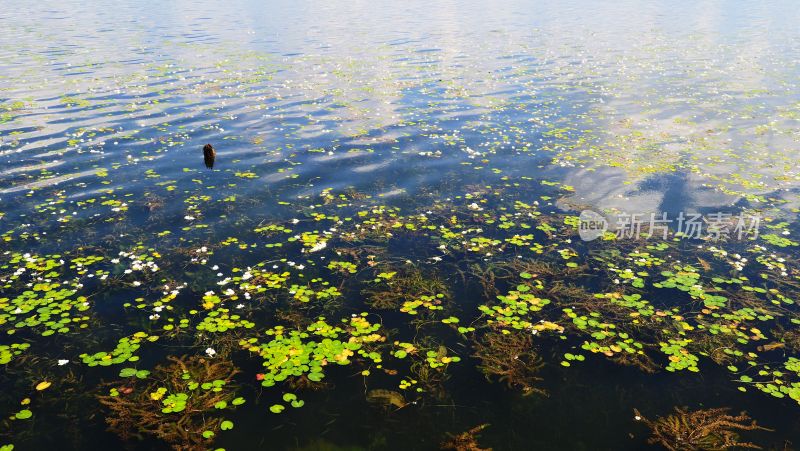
[385, 252]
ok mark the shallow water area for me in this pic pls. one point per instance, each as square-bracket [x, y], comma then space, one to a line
[387, 252]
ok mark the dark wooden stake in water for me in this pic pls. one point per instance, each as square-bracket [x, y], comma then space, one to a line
[209, 154]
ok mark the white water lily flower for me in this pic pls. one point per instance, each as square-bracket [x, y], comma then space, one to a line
[62, 362]
[210, 352]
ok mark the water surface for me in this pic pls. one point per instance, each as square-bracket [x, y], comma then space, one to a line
[438, 148]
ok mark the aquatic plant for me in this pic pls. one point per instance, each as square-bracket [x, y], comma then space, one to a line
[182, 403]
[429, 367]
[465, 441]
[512, 358]
[709, 429]
[305, 353]
[123, 352]
[406, 289]
[386, 398]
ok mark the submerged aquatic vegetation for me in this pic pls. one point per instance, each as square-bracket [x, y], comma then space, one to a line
[533, 305]
[465, 441]
[406, 290]
[386, 398]
[512, 358]
[182, 403]
[708, 429]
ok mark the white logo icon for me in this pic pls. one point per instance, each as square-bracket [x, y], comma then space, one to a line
[592, 225]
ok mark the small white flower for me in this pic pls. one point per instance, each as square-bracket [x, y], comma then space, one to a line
[210, 352]
[62, 362]
[188, 218]
[155, 316]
